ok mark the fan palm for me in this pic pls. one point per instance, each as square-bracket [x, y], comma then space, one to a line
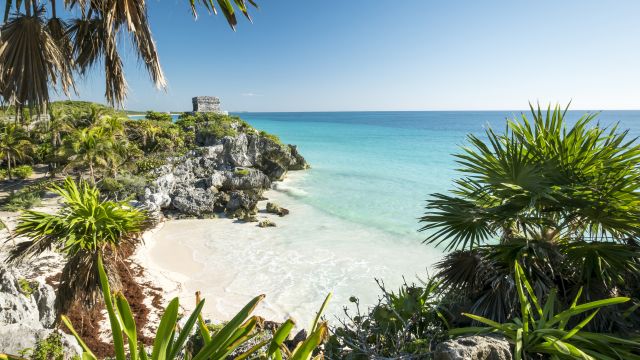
[562, 200]
[37, 53]
[91, 148]
[85, 229]
[14, 145]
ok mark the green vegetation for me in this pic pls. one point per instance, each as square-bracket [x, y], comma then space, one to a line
[170, 339]
[22, 172]
[26, 287]
[85, 229]
[403, 325]
[562, 201]
[43, 52]
[26, 198]
[49, 348]
[158, 116]
[271, 137]
[544, 212]
[242, 172]
[542, 330]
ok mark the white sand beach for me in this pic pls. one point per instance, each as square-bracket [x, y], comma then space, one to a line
[307, 255]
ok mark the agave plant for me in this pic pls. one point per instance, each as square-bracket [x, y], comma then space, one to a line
[540, 329]
[563, 200]
[84, 230]
[170, 339]
[39, 53]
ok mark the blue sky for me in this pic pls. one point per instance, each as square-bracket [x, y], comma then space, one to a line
[310, 55]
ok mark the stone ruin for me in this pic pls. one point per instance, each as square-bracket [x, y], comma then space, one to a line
[207, 104]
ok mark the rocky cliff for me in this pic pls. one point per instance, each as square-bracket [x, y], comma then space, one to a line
[27, 317]
[224, 174]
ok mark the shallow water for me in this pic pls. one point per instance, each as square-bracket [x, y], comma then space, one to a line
[354, 214]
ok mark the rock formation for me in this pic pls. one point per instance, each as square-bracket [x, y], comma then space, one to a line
[27, 318]
[474, 348]
[227, 174]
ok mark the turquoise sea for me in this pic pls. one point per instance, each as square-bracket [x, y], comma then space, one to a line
[354, 214]
[377, 168]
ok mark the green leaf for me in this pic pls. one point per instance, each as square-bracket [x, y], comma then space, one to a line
[165, 330]
[186, 331]
[86, 352]
[222, 337]
[114, 321]
[129, 325]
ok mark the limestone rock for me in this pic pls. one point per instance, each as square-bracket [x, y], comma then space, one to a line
[26, 319]
[45, 298]
[266, 223]
[17, 337]
[474, 348]
[15, 307]
[274, 208]
[227, 174]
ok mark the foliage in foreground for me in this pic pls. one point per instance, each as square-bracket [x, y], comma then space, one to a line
[542, 330]
[42, 52]
[406, 324]
[83, 228]
[562, 199]
[170, 339]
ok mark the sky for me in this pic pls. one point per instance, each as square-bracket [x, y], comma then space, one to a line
[356, 55]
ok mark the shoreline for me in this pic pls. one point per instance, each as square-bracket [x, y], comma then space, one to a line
[309, 254]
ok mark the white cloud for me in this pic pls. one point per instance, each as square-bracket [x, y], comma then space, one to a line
[250, 94]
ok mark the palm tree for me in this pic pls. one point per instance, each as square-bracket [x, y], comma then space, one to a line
[58, 124]
[90, 148]
[85, 229]
[37, 53]
[564, 201]
[14, 145]
[148, 132]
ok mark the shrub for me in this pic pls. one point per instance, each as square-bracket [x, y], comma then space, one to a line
[158, 116]
[271, 137]
[147, 164]
[22, 200]
[542, 330]
[22, 171]
[406, 324]
[217, 129]
[123, 187]
[169, 343]
[49, 348]
[3, 174]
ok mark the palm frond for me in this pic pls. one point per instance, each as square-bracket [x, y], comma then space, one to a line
[31, 61]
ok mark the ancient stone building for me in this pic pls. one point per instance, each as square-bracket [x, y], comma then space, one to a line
[207, 104]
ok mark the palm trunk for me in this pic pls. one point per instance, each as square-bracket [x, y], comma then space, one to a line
[93, 179]
[53, 9]
[9, 166]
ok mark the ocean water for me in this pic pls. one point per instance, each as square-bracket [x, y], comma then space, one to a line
[378, 168]
[354, 214]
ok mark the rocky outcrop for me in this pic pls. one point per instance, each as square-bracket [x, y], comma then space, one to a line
[27, 315]
[226, 174]
[474, 348]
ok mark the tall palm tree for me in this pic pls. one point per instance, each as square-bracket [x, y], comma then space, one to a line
[38, 53]
[90, 148]
[84, 229]
[14, 145]
[563, 200]
[59, 123]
